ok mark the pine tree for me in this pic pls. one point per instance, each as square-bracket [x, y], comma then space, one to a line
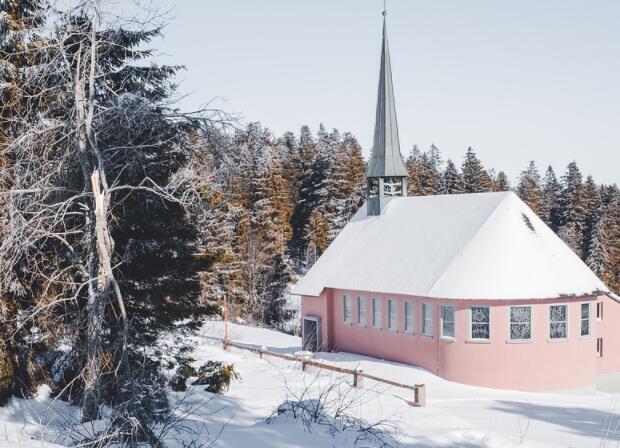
[604, 254]
[598, 256]
[304, 205]
[412, 163]
[19, 42]
[451, 181]
[529, 188]
[592, 204]
[612, 232]
[263, 266]
[331, 189]
[120, 250]
[475, 177]
[355, 167]
[552, 190]
[428, 171]
[572, 212]
[501, 182]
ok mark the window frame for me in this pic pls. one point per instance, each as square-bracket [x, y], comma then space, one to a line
[411, 328]
[589, 319]
[471, 324]
[392, 324]
[599, 347]
[428, 332]
[441, 321]
[520, 341]
[347, 300]
[362, 300]
[566, 322]
[376, 309]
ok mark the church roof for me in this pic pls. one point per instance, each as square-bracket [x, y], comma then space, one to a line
[468, 246]
[385, 159]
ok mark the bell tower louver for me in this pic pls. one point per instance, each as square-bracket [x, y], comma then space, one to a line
[386, 175]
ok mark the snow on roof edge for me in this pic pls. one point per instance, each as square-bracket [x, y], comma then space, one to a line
[587, 285]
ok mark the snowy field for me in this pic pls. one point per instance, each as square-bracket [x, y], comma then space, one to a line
[455, 415]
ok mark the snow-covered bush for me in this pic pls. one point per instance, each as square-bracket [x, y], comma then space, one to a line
[332, 404]
[216, 375]
[178, 382]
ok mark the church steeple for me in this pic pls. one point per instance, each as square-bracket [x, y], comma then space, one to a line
[386, 174]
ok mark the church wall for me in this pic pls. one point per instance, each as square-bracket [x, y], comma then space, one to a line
[608, 328]
[537, 364]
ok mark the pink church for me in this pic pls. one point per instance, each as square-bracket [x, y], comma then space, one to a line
[473, 287]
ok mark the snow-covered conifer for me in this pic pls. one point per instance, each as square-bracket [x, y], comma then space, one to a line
[451, 181]
[530, 189]
[475, 177]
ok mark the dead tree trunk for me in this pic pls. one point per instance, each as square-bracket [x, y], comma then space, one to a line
[102, 281]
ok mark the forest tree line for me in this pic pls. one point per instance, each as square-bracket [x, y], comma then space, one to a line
[282, 200]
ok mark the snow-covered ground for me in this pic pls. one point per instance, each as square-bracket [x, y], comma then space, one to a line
[455, 415]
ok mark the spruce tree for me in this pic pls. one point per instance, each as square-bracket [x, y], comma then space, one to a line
[529, 188]
[20, 40]
[121, 260]
[475, 177]
[451, 181]
[501, 182]
[572, 211]
[612, 231]
[304, 206]
[592, 204]
[552, 190]
[598, 256]
[414, 187]
[429, 171]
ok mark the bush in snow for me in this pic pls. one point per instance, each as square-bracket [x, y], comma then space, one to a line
[216, 375]
[331, 403]
[178, 382]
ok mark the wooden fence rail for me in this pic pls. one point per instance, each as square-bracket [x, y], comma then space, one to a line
[419, 390]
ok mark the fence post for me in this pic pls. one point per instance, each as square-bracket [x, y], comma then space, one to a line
[262, 351]
[303, 365]
[226, 346]
[357, 378]
[419, 395]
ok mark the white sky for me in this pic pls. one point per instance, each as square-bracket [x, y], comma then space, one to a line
[517, 80]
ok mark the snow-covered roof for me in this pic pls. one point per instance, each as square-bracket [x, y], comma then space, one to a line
[467, 246]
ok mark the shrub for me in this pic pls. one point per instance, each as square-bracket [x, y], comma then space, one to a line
[216, 375]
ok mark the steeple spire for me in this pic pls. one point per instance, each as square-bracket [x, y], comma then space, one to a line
[386, 173]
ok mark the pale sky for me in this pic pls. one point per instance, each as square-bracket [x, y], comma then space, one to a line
[516, 80]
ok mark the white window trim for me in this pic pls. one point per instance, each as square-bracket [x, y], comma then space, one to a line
[423, 318]
[441, 335]
[412, 323]
[470, 337]
[581, 319]
[376, 325]
[347, 299]
[521, 341]
[564, 339]
[359, 300]
[392, 326]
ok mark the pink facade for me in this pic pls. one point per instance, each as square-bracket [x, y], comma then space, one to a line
[538, 363]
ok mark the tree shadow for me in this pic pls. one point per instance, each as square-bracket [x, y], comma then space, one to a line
[604, 425]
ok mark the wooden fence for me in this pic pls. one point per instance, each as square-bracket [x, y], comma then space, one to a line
[419, 390]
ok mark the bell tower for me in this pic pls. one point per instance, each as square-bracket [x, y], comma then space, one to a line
[386, 175]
